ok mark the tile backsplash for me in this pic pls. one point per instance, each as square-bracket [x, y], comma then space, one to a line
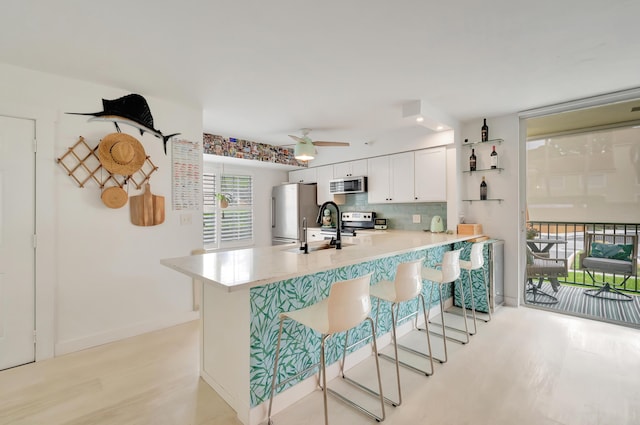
[399, 216]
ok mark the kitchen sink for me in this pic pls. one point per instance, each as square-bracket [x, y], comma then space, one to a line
[313, 248]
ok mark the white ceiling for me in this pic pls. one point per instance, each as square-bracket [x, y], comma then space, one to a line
[263, 69]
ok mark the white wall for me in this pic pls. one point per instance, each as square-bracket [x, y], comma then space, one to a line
[499, 220]
[102, 271]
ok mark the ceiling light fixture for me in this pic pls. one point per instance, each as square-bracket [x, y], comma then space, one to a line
[304, 151]
[419, 119]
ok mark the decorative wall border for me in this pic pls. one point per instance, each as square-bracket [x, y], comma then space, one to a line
[246, 149]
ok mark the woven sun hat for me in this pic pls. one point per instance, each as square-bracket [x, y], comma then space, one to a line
[121, 154]
[114, 197]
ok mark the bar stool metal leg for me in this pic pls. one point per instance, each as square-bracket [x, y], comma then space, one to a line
[442, 317]
[406, 286]
[473, 305]
[347, 306]
[378, 394]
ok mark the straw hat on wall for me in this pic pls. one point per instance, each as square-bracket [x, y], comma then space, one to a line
[121, 154]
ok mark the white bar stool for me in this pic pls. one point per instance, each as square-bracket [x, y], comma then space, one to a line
[406, 286]
[476, 262]
[449, 273]
[347, 306]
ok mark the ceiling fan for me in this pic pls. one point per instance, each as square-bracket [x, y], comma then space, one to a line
[305, 147]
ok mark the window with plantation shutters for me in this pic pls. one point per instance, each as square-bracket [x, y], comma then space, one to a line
[209, 210]
[236, 221]
[231, 226]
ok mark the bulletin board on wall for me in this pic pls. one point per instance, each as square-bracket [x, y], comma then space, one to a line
[186, 175]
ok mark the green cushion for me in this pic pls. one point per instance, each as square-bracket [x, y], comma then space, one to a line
[611, 251]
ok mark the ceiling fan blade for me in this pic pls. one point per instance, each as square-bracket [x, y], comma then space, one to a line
[297, 139]
[321, 143]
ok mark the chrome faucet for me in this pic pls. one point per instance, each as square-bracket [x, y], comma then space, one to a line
[304, 247]
[338, 240]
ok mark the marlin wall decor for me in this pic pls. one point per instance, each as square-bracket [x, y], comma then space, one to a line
[131, 109]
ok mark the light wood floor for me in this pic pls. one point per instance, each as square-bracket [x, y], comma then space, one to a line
[525, 367]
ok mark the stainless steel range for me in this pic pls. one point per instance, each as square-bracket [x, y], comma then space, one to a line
[352, 221]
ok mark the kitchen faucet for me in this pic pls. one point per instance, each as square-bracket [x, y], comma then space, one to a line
[338, 221]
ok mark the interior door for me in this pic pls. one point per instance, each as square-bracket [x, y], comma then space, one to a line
[17, 252]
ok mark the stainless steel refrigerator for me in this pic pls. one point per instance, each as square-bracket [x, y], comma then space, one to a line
[290, 203]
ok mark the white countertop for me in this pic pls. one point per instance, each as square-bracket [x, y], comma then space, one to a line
[246, 268]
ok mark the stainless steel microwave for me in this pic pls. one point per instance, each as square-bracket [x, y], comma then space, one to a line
[348, 185]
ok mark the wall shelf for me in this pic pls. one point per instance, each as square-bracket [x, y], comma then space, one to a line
[488, 142]
[483, 200]
[499, 170]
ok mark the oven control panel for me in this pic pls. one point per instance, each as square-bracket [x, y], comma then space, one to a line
[358, 219]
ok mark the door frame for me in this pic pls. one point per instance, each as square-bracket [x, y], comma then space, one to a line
[45, 219]
[589, 102]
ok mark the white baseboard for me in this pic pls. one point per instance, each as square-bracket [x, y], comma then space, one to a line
[70, 346]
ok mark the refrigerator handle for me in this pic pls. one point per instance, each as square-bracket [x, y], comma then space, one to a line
[273, 212]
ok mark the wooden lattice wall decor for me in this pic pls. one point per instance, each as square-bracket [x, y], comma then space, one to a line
[83, 165]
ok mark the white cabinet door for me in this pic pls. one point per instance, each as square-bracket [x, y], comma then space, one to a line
[324, 174]
[350, 169]
[378, 180]
[431, 175]
[391, 178]
[402, 177]
[304, 175]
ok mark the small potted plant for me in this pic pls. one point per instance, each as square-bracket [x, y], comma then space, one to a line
[223, 200]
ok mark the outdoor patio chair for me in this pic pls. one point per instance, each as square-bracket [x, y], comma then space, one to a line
[610, 254]
[542, 267]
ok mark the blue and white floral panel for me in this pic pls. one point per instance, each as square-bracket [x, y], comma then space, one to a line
[300, 347]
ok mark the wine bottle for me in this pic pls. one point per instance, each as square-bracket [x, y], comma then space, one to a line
[472, 161]
[483, 190]
[485, 131]
[494, 158]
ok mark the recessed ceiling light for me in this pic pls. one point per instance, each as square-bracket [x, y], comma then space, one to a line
[419, 119]
[439, 128]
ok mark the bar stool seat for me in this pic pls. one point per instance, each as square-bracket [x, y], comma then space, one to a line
[448, 273]
[347, 306]
[406, 286]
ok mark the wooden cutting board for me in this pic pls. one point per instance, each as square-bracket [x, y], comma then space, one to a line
[147, 209]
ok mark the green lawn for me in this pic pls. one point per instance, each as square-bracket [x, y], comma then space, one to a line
[582, 279]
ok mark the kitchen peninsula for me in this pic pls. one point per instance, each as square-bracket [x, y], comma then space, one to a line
[244, 291]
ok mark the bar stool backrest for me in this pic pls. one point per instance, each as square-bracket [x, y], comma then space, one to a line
[408, 281]
[477, 257]
[349, 303]
[451, 266]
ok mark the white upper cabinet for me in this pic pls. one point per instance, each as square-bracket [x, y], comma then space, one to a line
[402, 177]
[350, 169]
[303, 175]
[391, 178]
[431, 175]
[378, 180]
[324, 175]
